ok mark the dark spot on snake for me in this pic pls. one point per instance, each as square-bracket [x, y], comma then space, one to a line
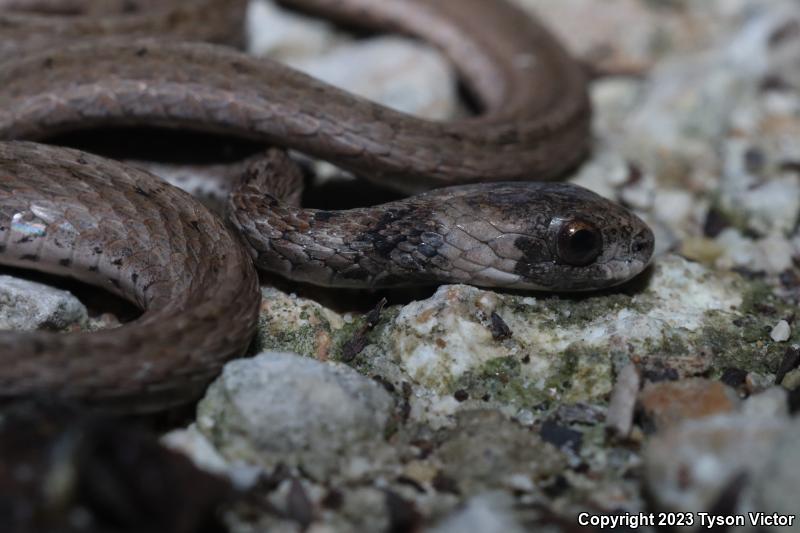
[195, 224]
[24, 239]
[65, 262]
[81, 160]
[432, 239]
[408, 261]
[29, 257]
[97, 250]
[141, 52]
[134, 278]
[48, 62]
[93, 268]
[117, 262]
[426, 250]
[533, 252]
[141, 191]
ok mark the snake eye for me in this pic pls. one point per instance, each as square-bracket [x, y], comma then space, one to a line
[578, 242]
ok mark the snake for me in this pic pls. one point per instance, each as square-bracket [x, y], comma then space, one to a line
[482, 207]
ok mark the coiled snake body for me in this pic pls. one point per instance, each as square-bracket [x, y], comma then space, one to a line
[71, 213]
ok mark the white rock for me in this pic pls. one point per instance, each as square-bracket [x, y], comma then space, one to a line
[483, 513]
[781, 331]
[774, 489]
[26, 305]
[367, 67]
[688, 466]
[284, 408]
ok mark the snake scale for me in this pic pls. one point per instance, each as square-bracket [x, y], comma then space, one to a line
[487, 217]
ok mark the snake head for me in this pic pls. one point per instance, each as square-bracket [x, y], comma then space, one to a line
[541, 236]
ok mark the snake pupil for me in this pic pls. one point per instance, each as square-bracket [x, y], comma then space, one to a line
[579, 243]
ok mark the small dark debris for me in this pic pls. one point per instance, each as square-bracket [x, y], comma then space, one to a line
[353, 347]
[386, 384]
[790, 361]
[789, 279]
[486, 397]
[748, 274]
[733, 377]
[356, 345]
[634, 174]
[403, 515]
[298, 505]
[411, 482]
[764, 309]
[444, 483]
[461, 395]
[374, 316]
[789, 30]
[789, 166]
[655, 375]
[268, 483]
[773, 82]
[754, 160]
[727, 501]
[499, 328]
[334, 499]
[561, 436]
[794, 401]
[558, 487]
[405, 407]
[714, 223]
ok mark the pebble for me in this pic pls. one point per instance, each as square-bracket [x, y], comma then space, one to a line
[775, 486]
[284, 408]
[669, 402]
[368, 67]
[27, 305]
[491, 511]
[688, 466]
[781, 332]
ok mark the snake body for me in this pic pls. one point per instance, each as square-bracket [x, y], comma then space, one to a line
[66, 212]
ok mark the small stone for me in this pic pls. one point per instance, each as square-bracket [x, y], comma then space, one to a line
[688, 466]
[492, 511]
[486, 451]
[30, 306]
[668, 402]
[775, 486]
[781, 331]
[284, 408]
[771, 403]
[623, 401]
[561, 437]
[791, 381]
[757, 382]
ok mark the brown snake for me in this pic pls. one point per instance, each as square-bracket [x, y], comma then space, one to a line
[74, 214]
